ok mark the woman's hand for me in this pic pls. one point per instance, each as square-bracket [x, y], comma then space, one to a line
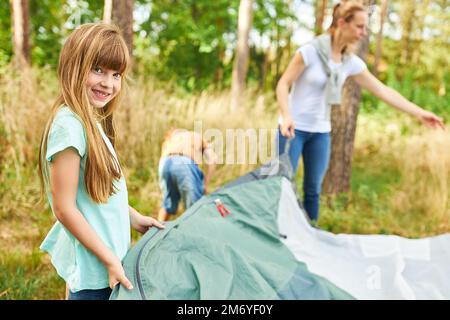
[430, 119]
[287, 127]
[116, 274]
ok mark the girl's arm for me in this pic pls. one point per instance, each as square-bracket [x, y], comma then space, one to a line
[293, 71]
[64, 171]
[142, 223]
[369, 82]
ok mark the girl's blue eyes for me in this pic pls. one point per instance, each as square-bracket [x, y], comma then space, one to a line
[115, 75]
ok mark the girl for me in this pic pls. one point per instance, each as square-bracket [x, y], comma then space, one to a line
[317, 73]
[79, 168]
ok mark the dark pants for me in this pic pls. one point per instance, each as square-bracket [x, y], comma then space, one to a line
[98, 294]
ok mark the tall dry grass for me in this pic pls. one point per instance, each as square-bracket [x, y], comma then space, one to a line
[24, 101]
[420, 198]
[424, 160]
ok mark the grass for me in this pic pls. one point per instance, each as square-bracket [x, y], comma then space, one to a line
[400, 182]
[28, 275]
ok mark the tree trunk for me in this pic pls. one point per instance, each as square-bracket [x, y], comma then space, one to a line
[242, 53]
[321, 7]
[195, 15]
[379, 46]
[21, 32]
[122, 16]
[343, 123]
[107, 11]
[264, 69]
[408, 16]
[276, 72]
[218, 74]
[423, 11]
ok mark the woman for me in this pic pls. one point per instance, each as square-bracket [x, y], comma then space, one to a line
[317, 73]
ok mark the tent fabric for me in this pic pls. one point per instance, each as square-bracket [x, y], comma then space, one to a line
[265, 248]
[368, 266]
[203, 255]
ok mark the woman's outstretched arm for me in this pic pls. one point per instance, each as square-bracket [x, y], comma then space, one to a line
[369, 82]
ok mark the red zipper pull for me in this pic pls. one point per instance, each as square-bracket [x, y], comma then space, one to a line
[225, 211]
[221, 208]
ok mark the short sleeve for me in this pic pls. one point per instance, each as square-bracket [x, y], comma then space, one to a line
[308, 53]
[356, 65]
[66, 131]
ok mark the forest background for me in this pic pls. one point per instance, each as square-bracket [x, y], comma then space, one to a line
[218, 62]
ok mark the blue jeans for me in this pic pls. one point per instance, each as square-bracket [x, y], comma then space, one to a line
[315, 149]
[180, 178]
[88, 294]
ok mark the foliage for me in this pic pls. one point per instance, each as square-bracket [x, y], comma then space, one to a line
[192, 42]
[187, 40]
[5, 36]
[50, 23]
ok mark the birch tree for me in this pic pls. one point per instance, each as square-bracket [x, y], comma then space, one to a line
[240, 66]
[20, 20]
[321, 7]
[122, 16]
[107, 11]
[379, 45]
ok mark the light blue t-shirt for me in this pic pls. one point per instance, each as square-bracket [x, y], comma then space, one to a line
[78, 266]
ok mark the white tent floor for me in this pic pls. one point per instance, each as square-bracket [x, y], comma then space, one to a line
[367, 266]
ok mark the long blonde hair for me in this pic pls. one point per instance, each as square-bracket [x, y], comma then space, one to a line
[345, 9]
[90, 45]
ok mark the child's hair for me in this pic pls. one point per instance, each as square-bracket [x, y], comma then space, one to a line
[346, 10]
[90, 45]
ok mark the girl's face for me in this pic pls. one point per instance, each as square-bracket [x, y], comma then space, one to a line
[102, 86]
[355, 30]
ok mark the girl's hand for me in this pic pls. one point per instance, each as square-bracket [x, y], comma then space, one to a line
[430, 119]
[142, 223]
[116, 274]
[287, 127]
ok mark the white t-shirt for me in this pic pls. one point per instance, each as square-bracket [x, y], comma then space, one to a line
[307, 104]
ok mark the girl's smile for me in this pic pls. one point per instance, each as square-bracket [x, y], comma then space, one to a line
[101, 95]
[103, 85]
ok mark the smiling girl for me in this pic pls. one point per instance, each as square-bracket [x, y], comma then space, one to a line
[80, 170]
